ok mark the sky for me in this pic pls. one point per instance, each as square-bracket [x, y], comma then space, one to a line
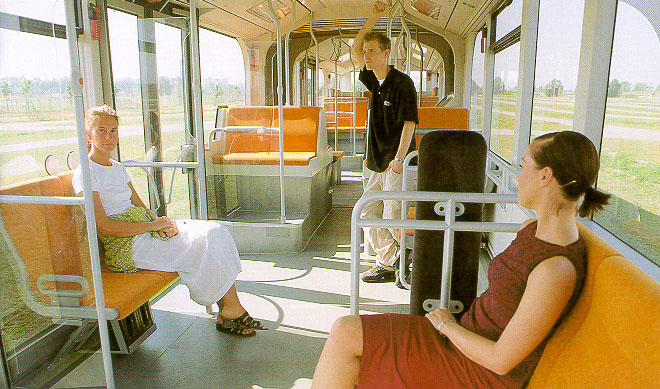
[636, 46]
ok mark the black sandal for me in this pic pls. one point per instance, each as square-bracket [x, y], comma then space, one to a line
[234, 328]
[247, 321]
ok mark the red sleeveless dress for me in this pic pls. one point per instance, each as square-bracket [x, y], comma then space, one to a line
[405, 351]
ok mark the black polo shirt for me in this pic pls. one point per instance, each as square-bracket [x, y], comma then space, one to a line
[392, 103]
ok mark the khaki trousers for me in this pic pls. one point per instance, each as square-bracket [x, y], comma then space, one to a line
[384, 241]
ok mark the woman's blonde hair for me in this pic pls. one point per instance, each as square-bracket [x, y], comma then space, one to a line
[92, 115]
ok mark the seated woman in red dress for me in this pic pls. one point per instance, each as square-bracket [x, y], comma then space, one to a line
[532, 285]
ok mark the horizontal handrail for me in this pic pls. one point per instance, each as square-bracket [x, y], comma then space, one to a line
[51, 200]
[450, 225]
[190, 165]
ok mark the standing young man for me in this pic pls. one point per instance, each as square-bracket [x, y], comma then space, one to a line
[390, 138]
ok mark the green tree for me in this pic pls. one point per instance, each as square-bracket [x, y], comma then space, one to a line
[6, 90]
[25, 88]
[640, 87]
[614, 88]
[218, 92]
[69, 92]
[554, 88]
[626, 87]
[497, 86]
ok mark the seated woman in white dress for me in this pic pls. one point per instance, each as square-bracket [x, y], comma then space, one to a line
[202, 253]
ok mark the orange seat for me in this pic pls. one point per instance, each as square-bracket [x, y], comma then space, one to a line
[300, 136]
[52, 239]
[442, 118]
[610, 339]
[344, 114]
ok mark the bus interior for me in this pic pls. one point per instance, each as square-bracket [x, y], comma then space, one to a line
[251, 115]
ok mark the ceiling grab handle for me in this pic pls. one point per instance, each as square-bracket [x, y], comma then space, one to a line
[350, 57]
[279, 107]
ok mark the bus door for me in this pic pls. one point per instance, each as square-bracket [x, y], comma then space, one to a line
[151, 78]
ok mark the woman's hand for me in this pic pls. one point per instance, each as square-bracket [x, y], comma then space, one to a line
[168, 232]
[439, 316]
[161, 223]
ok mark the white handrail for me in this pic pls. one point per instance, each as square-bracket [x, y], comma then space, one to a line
[449, 226]
[279, 108]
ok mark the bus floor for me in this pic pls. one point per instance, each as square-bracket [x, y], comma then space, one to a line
[297, 295]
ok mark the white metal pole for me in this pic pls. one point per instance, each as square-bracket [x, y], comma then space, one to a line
[76, 89]
[197, 107]
[280, 112]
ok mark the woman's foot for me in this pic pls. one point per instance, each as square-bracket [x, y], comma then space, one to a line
[233, 328]
[245, 320]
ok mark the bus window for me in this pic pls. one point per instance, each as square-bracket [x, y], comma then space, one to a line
[557, 59]
[505, 85]
[506, 47]
[37, 135]
[630, 151]
[223, 74]
[477, 85]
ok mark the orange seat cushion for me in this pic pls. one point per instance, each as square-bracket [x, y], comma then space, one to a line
[457, 118]
[291, 158]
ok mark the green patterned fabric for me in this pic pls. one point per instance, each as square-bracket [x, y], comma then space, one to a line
[119, 250]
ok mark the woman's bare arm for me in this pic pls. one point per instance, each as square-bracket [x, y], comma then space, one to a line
[121, 229]
[549, 288]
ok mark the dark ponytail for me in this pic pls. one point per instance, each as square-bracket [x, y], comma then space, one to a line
[594, 201]
[575, 163]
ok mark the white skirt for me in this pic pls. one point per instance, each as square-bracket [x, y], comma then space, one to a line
[203, 253]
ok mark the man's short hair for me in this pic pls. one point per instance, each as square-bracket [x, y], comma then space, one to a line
[383, 41]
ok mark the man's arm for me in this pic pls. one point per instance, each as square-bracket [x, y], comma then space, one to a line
[404, 143]
[379, 10]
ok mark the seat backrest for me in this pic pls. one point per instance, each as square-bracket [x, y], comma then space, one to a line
[45, 236]
[456, 118]
[453, 118]
[449, 161]
[301, 125]
[611, 337]
[250, 116]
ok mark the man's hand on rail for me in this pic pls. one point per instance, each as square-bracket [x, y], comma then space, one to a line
[380, 9]
[396, 166]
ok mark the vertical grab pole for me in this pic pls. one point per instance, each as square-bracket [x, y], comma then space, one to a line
[317, 98]
[197, 108]
[289, 95]
[447, 254]
[279, 109]
[76, 89]
[356, 237]
[334, 47]
[421, 66]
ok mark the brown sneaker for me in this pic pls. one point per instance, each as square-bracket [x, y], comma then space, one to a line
[378, 274]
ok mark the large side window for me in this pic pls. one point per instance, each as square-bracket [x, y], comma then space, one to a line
[223, 74]
[477, 84]
[630, 151]
[557, 60]
[505, 82]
